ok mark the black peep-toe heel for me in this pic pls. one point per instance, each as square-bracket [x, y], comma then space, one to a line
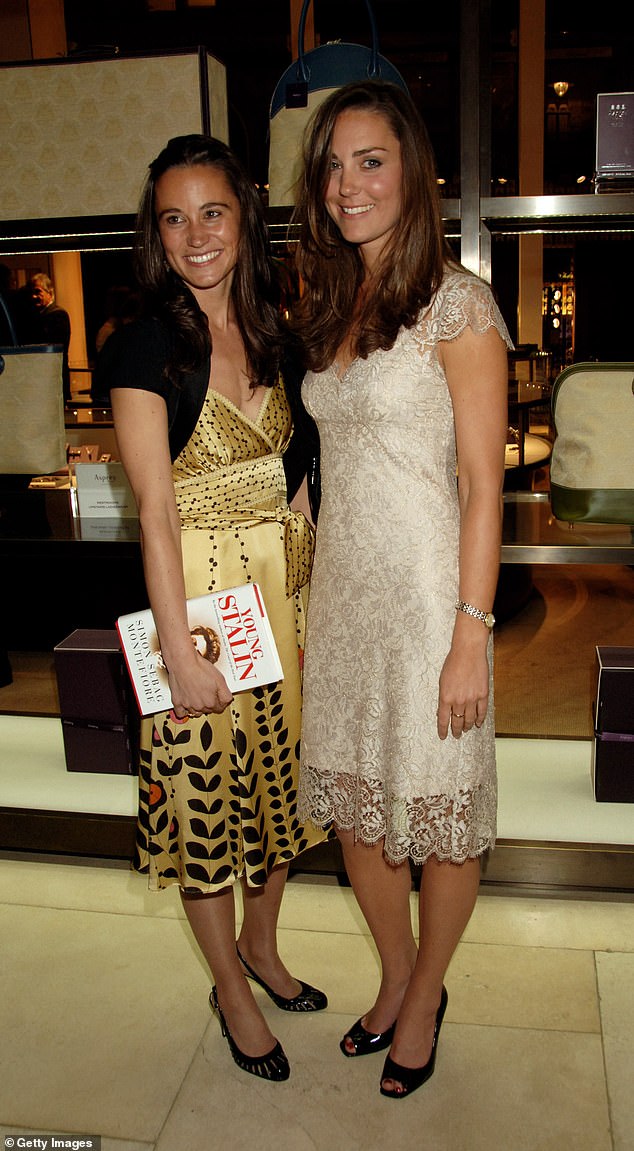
[274, 1065]
[308, 999]
[366, 1042]
[411, 1078]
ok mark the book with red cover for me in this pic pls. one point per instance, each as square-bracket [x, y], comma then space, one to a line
[231, 628]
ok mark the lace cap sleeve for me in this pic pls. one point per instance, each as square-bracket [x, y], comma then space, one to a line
[466, 301]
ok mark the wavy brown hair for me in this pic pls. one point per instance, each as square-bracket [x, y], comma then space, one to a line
[410, 270]
[255, 287]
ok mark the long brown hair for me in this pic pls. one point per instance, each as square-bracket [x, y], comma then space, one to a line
[411, 269]
[255, 289]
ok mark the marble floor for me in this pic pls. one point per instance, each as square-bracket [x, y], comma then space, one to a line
[107, 1032]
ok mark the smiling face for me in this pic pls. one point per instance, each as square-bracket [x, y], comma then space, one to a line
[363, 195]
[198, 219]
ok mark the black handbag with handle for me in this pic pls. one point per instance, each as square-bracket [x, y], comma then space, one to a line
[32, 430]
[304, 86]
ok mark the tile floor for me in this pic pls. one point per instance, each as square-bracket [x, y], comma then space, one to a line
[106, 1029]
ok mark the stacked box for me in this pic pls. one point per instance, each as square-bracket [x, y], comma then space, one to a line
[100, 720]
[613, 758]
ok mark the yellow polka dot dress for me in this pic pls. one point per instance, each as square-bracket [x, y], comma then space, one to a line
[218, 794]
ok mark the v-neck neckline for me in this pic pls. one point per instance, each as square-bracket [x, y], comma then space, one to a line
[255, 422]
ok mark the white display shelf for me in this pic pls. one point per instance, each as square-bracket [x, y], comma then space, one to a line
[33, 773]
[545, 786]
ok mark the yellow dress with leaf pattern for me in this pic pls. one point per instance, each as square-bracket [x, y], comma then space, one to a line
[218, 794]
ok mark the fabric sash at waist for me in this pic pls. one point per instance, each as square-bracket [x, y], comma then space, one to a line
[222, 500]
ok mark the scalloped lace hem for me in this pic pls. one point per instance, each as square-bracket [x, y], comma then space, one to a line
[450, 828]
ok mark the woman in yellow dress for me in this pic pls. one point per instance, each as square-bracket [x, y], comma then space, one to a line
[202, 421]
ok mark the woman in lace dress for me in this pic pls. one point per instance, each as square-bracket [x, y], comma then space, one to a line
[407, 382]
[202, 422]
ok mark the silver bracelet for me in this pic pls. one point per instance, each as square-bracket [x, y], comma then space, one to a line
[487, 617]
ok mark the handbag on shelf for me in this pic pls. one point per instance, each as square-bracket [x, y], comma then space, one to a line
[303, 87]
[32, 430]
[592, 462]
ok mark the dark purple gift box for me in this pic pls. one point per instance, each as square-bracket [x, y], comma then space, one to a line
[100, 719]
[613, 758]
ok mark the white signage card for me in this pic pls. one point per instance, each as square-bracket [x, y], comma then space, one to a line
[103, 492]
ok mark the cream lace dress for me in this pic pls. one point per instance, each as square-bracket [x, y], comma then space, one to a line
[381, 610]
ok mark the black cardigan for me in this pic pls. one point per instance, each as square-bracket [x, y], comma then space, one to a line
[135, 357]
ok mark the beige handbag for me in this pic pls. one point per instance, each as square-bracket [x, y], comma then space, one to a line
[592, 463]
[32, 432]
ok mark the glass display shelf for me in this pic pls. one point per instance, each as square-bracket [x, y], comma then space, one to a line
[611, 212]
[532, 535]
